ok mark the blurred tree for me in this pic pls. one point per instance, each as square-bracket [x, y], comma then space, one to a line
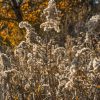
[14, 11]
[11, 13]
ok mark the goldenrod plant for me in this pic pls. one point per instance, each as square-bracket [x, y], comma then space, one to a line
[38, 68]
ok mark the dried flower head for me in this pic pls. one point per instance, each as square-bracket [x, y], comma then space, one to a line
[5, 61]
[93, 23]
[52, 18]
[95, 18]
[31, 36]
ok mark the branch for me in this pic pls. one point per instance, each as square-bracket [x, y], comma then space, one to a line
[17, 10]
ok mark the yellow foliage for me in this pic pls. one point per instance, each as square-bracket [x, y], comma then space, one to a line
[16, 98]
[98, 86]
[32, 14]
